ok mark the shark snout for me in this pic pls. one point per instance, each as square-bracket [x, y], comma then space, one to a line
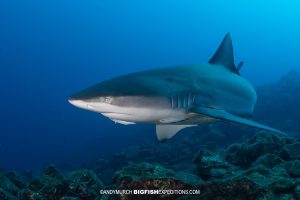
[81, 99]
[96, 104]
[78, 103]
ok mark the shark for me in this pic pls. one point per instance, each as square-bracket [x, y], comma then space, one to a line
[177, 97]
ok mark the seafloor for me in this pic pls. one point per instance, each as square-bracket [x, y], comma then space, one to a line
[222, 160]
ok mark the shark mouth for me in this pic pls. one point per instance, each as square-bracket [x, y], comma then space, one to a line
[115, 115]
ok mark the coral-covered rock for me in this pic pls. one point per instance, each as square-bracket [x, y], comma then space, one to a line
[241, 187]
[282, 185]
[81, 184]
[84, 184]
[51, 184]
[7, 186]
[297, 192]
[4, 195]
[52, 172]
[291, 151]
[150, 171]
[280, 170]
[293, 168]
[18, 180]
[54, 189]
[189, 197]
[268, 160]
[26, 194]
[260, 169]
[69, 198]
[146, 176]
[249, 185]
[245, 154]
[102, 168]
[209, 164]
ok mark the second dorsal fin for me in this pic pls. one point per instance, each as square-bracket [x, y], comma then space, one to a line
[224, 55]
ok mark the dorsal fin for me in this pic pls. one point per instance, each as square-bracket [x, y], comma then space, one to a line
[224, 55]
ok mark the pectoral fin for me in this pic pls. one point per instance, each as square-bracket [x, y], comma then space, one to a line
[164, 132]
[224, 115]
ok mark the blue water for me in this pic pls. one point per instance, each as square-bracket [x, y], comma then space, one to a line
[51, 49]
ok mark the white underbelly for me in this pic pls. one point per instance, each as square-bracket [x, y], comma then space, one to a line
[149, 115]
[159, 116]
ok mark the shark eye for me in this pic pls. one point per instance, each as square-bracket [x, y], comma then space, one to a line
[106, 99]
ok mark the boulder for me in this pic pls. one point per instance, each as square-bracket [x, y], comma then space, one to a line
[210, 164]
[7, 186]
[18, 180]
[268, 160]
[245, 154]
[51, 184]
[153, 171]
[69, 198]
[26, 194]
[297, 192]
[4, 195]
[145, 176]
[291, 151]
[293, 168]
[238, 187]
[282, 185]
[84, 184]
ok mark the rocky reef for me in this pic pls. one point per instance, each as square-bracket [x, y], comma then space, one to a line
[222, 161]
[256, 169]
[51, 184]
[263, 167]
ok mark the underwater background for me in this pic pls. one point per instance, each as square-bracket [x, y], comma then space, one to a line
[51, 49]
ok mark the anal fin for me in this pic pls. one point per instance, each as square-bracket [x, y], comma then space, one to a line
[164, 132]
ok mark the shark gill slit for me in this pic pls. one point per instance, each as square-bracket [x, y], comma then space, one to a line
[189, 100]
[181, 101]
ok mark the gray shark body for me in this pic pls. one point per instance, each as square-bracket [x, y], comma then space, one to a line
[176, 97]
